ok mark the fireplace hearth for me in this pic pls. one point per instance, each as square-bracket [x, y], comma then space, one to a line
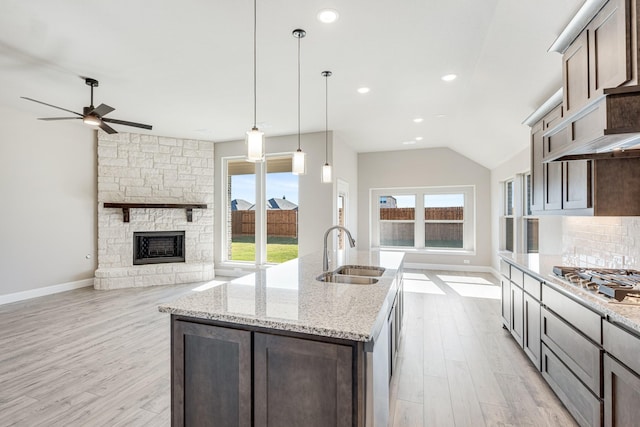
[156, 247]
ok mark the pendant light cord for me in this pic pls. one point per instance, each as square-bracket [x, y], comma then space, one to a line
[326, 119]
[299, 93]
[255, 97]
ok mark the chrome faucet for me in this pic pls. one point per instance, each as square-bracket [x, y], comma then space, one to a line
[325, 256]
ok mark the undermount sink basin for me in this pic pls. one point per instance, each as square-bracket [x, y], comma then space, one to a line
[360, 270]
[351, 280]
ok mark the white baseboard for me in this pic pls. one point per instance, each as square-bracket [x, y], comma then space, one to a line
[450, 267]
[47, 290]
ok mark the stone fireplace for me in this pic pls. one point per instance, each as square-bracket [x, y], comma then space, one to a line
[153, 242]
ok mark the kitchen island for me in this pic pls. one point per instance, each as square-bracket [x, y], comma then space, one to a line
[279, 347]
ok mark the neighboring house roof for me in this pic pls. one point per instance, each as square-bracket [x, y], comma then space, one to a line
[241, 205]
[283, 204]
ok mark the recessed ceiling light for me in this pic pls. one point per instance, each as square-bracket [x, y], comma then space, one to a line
[449, 77]
[328, 16]
[418, 138]
[363, 90]
[418, 119]
[409, 142]
[441, 116]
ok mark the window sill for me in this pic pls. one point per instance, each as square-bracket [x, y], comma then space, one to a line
[426, 251]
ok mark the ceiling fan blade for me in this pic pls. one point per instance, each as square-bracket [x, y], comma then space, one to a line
[58, 118]
[105, 127]
[102, 110]
[49, 105]
[122, 122]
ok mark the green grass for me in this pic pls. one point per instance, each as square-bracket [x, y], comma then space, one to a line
[276, 253]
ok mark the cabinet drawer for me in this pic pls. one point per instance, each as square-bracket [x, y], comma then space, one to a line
[517, 276]
[533, 286]
[587, 321]
[578, 353]
[505, 269]
[623, 345]
[581, 403]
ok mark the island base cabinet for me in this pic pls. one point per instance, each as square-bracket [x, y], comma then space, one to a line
[211, 376]
[621, 394]
[531, 339]
[301, 383]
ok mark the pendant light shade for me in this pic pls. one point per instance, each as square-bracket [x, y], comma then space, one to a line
[299, 162]
[255, 138]
[326, 169]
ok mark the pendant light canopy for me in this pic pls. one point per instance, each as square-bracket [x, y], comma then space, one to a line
[255, 138]
[326, 169]
[299, 162]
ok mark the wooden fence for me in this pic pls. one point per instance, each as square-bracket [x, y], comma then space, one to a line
[438, 234]
[280, 223]
[408, 214]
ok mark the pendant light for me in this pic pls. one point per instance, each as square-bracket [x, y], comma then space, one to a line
[255, 138]
[326, 169]
[299, 163]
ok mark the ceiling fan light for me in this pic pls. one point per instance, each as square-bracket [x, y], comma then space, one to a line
[326, 173]
[255, 145]
[299, 163]
[92, 120]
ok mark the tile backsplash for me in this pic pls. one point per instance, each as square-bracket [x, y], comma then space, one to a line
[609, 242]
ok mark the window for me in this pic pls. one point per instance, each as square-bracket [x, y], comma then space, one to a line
[267, 230]
[530, 224]
[430, 218]
[509, 208]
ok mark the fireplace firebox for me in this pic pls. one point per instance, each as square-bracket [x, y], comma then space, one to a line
[156, 247]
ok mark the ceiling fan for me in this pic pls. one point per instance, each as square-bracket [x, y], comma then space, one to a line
[92, 115]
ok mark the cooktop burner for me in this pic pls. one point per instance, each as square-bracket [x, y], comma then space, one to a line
[619, 284]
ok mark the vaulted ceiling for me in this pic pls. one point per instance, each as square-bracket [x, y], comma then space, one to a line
[186, 67]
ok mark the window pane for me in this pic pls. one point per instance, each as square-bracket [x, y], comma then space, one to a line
[509, 198]
[397, 233]
[397, 208]
[508, 244]
[527, 183]
[532, 235]
[282, 210]
[443, 235]
[444, 207]
[241, 201]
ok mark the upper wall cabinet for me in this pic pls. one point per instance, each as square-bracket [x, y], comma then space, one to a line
[599, 58]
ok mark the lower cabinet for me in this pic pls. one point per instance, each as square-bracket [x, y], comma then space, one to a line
[531, 338]
[219, 379]
[505, 307]
[621, 394]
[517, 311]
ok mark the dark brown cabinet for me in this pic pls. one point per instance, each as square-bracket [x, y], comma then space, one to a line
[553, 186]
[211, 375]
[576, 180]
[575, 74]
[537, 167]
[301, 383]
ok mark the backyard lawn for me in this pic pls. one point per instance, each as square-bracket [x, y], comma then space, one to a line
[276, 252]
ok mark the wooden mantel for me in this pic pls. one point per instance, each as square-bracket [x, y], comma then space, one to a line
[188, 207]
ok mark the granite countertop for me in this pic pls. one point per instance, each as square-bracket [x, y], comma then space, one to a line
[541, 266]
[288, 297]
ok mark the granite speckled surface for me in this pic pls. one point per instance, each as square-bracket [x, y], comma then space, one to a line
[541, 266]
[288, 297]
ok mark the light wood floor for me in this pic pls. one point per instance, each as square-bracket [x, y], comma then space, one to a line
[101, 358]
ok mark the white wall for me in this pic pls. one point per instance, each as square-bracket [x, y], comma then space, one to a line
[426, 168]
[550, 226]
[48, 199]
[314, 198]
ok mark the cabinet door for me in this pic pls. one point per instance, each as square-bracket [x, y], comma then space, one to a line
[553, 186]
[537, 172]
[517, 311]
[302, 383]
[577, 184]
[505, 303]
[621, 394]
[211, 375]
[575, 74]
[531, 341]
[610, 47]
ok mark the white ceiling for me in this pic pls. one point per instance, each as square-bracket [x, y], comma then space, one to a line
[186, 67]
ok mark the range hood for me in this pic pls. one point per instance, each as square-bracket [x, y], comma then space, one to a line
[605, 125]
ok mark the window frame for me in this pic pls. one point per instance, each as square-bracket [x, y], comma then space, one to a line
[469, 215]
[506, 216]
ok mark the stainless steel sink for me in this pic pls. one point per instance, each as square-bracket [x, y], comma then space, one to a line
[360, 270]
[351, 280]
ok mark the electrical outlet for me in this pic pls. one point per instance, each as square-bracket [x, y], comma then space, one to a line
[466, 261]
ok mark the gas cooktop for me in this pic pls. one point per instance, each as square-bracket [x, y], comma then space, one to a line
[620, 285]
